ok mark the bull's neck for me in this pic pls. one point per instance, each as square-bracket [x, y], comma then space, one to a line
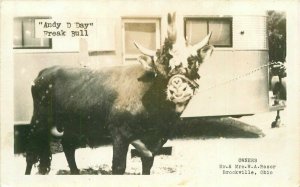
[155, 99]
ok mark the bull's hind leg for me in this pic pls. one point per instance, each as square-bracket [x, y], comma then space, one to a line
[38, 149]
[147, 163]
[41, 153]
[31, 154]
[31, 159]
[69, 149]
[45, 159]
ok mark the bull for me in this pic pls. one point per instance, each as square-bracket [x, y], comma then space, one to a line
[136, 104]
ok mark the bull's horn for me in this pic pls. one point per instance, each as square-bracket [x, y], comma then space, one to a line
[55, 132]
[144, 50]
[201, 44]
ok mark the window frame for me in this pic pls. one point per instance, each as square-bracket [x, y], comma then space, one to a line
[207, 19]
[22, 27]
[155, 20]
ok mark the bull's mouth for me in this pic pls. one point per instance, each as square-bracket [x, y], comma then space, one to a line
[181, 102]
[179, 107]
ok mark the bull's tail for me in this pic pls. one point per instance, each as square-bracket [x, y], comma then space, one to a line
[38, 148]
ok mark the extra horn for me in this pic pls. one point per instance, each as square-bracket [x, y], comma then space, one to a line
[172, 33]
[144, 50]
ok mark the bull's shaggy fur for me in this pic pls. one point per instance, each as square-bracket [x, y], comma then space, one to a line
[86, 104]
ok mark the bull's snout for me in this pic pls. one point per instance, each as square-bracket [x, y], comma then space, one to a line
[179, 90]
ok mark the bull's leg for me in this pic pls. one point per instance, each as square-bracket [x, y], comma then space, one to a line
[147, 163]
[38, 149]
[69, 150]
[45, 159]
[28, 169]
[43, 154]
[120, 148]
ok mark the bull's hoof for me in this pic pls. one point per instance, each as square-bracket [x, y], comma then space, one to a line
[146, 173]
[44, 170]
[75, 172]
[118, 171]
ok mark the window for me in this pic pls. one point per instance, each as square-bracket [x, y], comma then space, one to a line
[197, 28]
[24, 34]
[143, 31]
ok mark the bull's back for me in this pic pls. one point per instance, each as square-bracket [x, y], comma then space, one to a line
[88, 92]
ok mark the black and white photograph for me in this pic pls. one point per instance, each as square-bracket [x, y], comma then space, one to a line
[150, 93]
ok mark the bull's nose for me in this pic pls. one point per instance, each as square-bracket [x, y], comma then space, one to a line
[178, 94]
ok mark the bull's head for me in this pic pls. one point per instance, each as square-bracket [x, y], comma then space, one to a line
[177, 62]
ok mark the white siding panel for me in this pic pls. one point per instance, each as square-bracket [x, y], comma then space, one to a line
[104, 38]
[255, 32]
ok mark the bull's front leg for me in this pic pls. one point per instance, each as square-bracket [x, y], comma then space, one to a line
[120, 149]
[147, 163]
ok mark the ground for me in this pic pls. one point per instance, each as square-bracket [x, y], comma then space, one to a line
[210, 143]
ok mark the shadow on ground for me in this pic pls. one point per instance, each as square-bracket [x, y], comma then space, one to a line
[215, 128]
[191, 128]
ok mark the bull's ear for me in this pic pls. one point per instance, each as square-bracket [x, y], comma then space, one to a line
[148, 76]
[146, 62]
[205, 51]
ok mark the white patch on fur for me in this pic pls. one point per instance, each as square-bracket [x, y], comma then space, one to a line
[180, 55]
[55, 132]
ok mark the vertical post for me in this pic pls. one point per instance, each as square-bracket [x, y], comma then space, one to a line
[277, 122]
